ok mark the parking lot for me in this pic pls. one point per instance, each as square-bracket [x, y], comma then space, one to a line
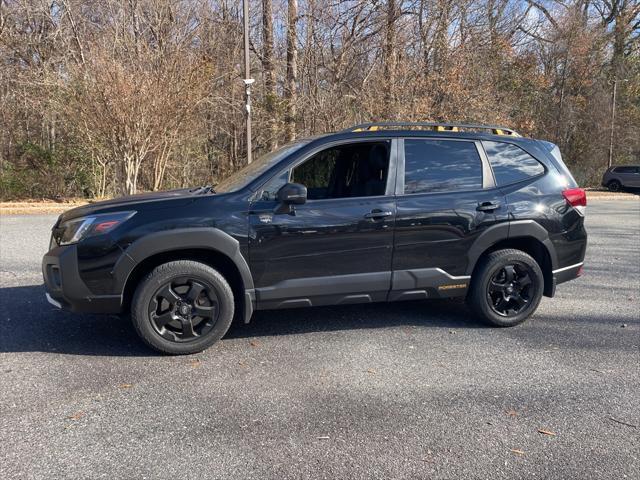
[405, 390]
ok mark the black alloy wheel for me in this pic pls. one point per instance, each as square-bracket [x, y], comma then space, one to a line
[506, 287]
[184, 309]
[511, 289]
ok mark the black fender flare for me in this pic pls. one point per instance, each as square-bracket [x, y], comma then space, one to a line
[204, 238]
[510, 230]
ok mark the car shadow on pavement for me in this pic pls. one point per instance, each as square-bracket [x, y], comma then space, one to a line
[30, 324]
[427, 313]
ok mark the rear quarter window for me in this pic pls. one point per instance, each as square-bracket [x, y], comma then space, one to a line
[510, 163]
[441, 166]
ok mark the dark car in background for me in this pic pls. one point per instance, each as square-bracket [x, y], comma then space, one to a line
[378, 212]
[621, 177]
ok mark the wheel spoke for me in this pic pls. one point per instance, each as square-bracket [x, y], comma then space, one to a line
[501, 304]
[205, 312]
[525, 280]
[195, 291]
[497, 287]
[168, 294]
[518, 300]
[187, 328]
[169, 335]
[162, 319]
[510, 273]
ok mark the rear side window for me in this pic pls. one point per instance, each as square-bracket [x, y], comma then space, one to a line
[441, 166]
[626, 170]
[510, 163]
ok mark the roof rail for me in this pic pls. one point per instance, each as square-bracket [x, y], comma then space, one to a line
[438, 127]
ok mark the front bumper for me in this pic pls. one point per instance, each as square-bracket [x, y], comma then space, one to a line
[65, 288]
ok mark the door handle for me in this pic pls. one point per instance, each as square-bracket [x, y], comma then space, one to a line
[376, 214]
[488, 206]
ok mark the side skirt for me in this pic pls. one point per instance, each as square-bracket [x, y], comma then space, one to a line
[362, 288]
[424, 283]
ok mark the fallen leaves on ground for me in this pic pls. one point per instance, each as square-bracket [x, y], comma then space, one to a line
[76, 416]
[517, 451]
[254, 343]
[195, 363]
[546, 432]
[124, 386]
[512, 413]
[371, 371]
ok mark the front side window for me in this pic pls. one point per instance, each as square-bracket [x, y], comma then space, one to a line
[510, 163]
[441, 166]
[349, 170]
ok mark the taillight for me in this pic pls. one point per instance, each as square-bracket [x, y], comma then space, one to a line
[577, 198]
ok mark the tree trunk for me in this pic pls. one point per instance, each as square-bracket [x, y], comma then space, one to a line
[267, 66]
[292, 71]
[389, 61]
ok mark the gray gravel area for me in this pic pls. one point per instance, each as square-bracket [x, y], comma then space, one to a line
[405, 390]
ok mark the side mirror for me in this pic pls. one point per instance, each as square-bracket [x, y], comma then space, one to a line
[292, 194]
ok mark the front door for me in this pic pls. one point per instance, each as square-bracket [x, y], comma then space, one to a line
[446, 199]
[337, 247]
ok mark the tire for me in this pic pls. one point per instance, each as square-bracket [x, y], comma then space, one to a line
[182, 307]
[614, 186]
[500, 293]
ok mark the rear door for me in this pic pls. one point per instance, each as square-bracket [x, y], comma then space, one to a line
[634, 177]
[335, 248]
[628, 176]
[446, 198]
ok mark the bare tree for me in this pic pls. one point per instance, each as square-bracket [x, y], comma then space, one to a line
[268, 72]
[112, 97]
[291, 87]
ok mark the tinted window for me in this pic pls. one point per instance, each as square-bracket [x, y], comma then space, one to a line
[510, 163]
[441, 165]
[626, 169]
[241, 178]
[350, 170]
[270, 189]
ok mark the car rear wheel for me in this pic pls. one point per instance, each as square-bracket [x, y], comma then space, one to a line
[506, 288]
[182, 307]
[614, 186]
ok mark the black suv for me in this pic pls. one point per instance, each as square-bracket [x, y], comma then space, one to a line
[378, 212]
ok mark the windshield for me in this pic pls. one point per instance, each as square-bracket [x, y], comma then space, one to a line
[246, 174]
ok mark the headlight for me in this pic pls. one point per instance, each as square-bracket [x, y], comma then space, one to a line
[84, 227]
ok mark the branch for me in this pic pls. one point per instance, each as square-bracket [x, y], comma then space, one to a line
[544, 11]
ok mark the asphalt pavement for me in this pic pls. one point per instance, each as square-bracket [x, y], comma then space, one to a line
[405, 390]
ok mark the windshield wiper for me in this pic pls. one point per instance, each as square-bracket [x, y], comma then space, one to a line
[202, 190]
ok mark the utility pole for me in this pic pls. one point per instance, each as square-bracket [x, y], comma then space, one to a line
[613, 120]
[248, 81]
[613, 116]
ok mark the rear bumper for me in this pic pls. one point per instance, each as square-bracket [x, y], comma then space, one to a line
[568, 273]
[65, 288]
[565, 274]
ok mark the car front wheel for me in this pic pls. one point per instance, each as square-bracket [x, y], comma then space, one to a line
[182, 307]
[506, 288]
